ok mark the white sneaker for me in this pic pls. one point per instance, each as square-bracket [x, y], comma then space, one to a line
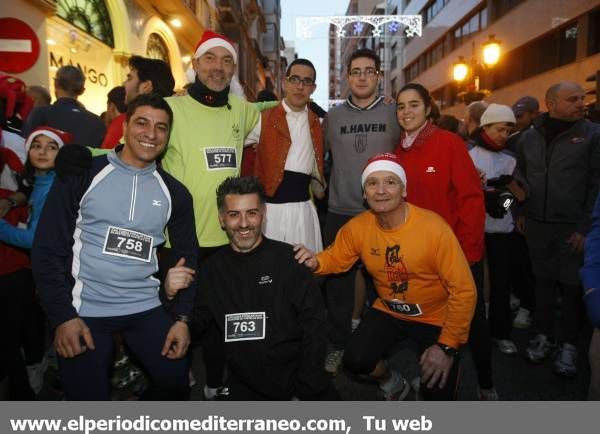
[355, 324]
[487, 394]
[523, 319]
[35, 374]
[415, 384]
[333, 361]
[212, 393]
[515, 303]
[396, 388]
[506, 346]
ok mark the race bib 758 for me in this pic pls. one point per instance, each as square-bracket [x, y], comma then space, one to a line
[127, 244]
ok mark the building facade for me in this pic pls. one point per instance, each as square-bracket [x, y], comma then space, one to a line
[99, 36]
[255, 26]
[542, 42]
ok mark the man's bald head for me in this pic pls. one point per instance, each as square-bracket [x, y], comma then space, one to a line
[565, 101]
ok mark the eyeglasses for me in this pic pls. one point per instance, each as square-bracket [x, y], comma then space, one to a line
[372, 184]
[369, 72]
[296, 80]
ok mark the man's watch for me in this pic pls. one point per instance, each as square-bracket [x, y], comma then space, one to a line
[449, 351]
[183, 318]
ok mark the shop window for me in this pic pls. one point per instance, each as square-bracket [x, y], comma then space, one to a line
[555, 49]
[91, 16]
[157, 49]
[432, 9]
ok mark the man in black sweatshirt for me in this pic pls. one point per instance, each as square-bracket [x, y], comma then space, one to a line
[268, 307]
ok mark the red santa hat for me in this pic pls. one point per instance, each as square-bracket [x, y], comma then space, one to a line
[60, 137]
[16, 100]
[212, 39]
[388, 162]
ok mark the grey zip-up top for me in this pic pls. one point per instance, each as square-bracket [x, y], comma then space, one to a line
[94, 253]
[562, 176]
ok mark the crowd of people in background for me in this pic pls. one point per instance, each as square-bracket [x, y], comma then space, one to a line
[199, 218]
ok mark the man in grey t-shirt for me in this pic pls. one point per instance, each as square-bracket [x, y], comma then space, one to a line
[354, 131]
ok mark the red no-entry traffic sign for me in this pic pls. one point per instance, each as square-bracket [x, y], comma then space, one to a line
[19, 45]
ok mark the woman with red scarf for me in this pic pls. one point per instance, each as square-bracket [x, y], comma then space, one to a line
[501, 191]
[444, 180]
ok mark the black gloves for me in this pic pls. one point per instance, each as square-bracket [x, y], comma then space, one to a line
[72, 160]
[498, 202]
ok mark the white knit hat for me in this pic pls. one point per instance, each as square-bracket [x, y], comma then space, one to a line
[388, 162]
[497, 113]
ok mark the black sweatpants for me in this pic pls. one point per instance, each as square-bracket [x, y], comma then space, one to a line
[240, 391]
[377, 335]
[521, 276]
[480, 341]
[497, 247]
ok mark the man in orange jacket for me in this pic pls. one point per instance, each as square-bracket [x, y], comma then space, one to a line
[425, 289]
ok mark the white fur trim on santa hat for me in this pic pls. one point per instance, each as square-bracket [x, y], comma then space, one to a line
[215, 42]
[385, 165]
[48, 133]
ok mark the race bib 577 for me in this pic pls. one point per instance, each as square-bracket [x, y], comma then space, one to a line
[220, 158]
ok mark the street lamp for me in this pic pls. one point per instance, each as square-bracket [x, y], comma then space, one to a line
[466, 73]
[491, 51]
[460, 70]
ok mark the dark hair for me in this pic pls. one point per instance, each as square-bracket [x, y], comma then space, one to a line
[448, 123]
[156, 71]
[71, 80]
[266, 95]
[364, 52]
[434, 111]
[117, 96]
[304, 62]
[28, 174]
[235, 185]
[149, 99]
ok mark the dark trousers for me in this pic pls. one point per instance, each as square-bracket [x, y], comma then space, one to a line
[480, 341]
[379, 333]
[22, 325]
[554, 262]
[240, 391]
[339, 290]
[497, 247]
[521, 276]
[86, 377]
